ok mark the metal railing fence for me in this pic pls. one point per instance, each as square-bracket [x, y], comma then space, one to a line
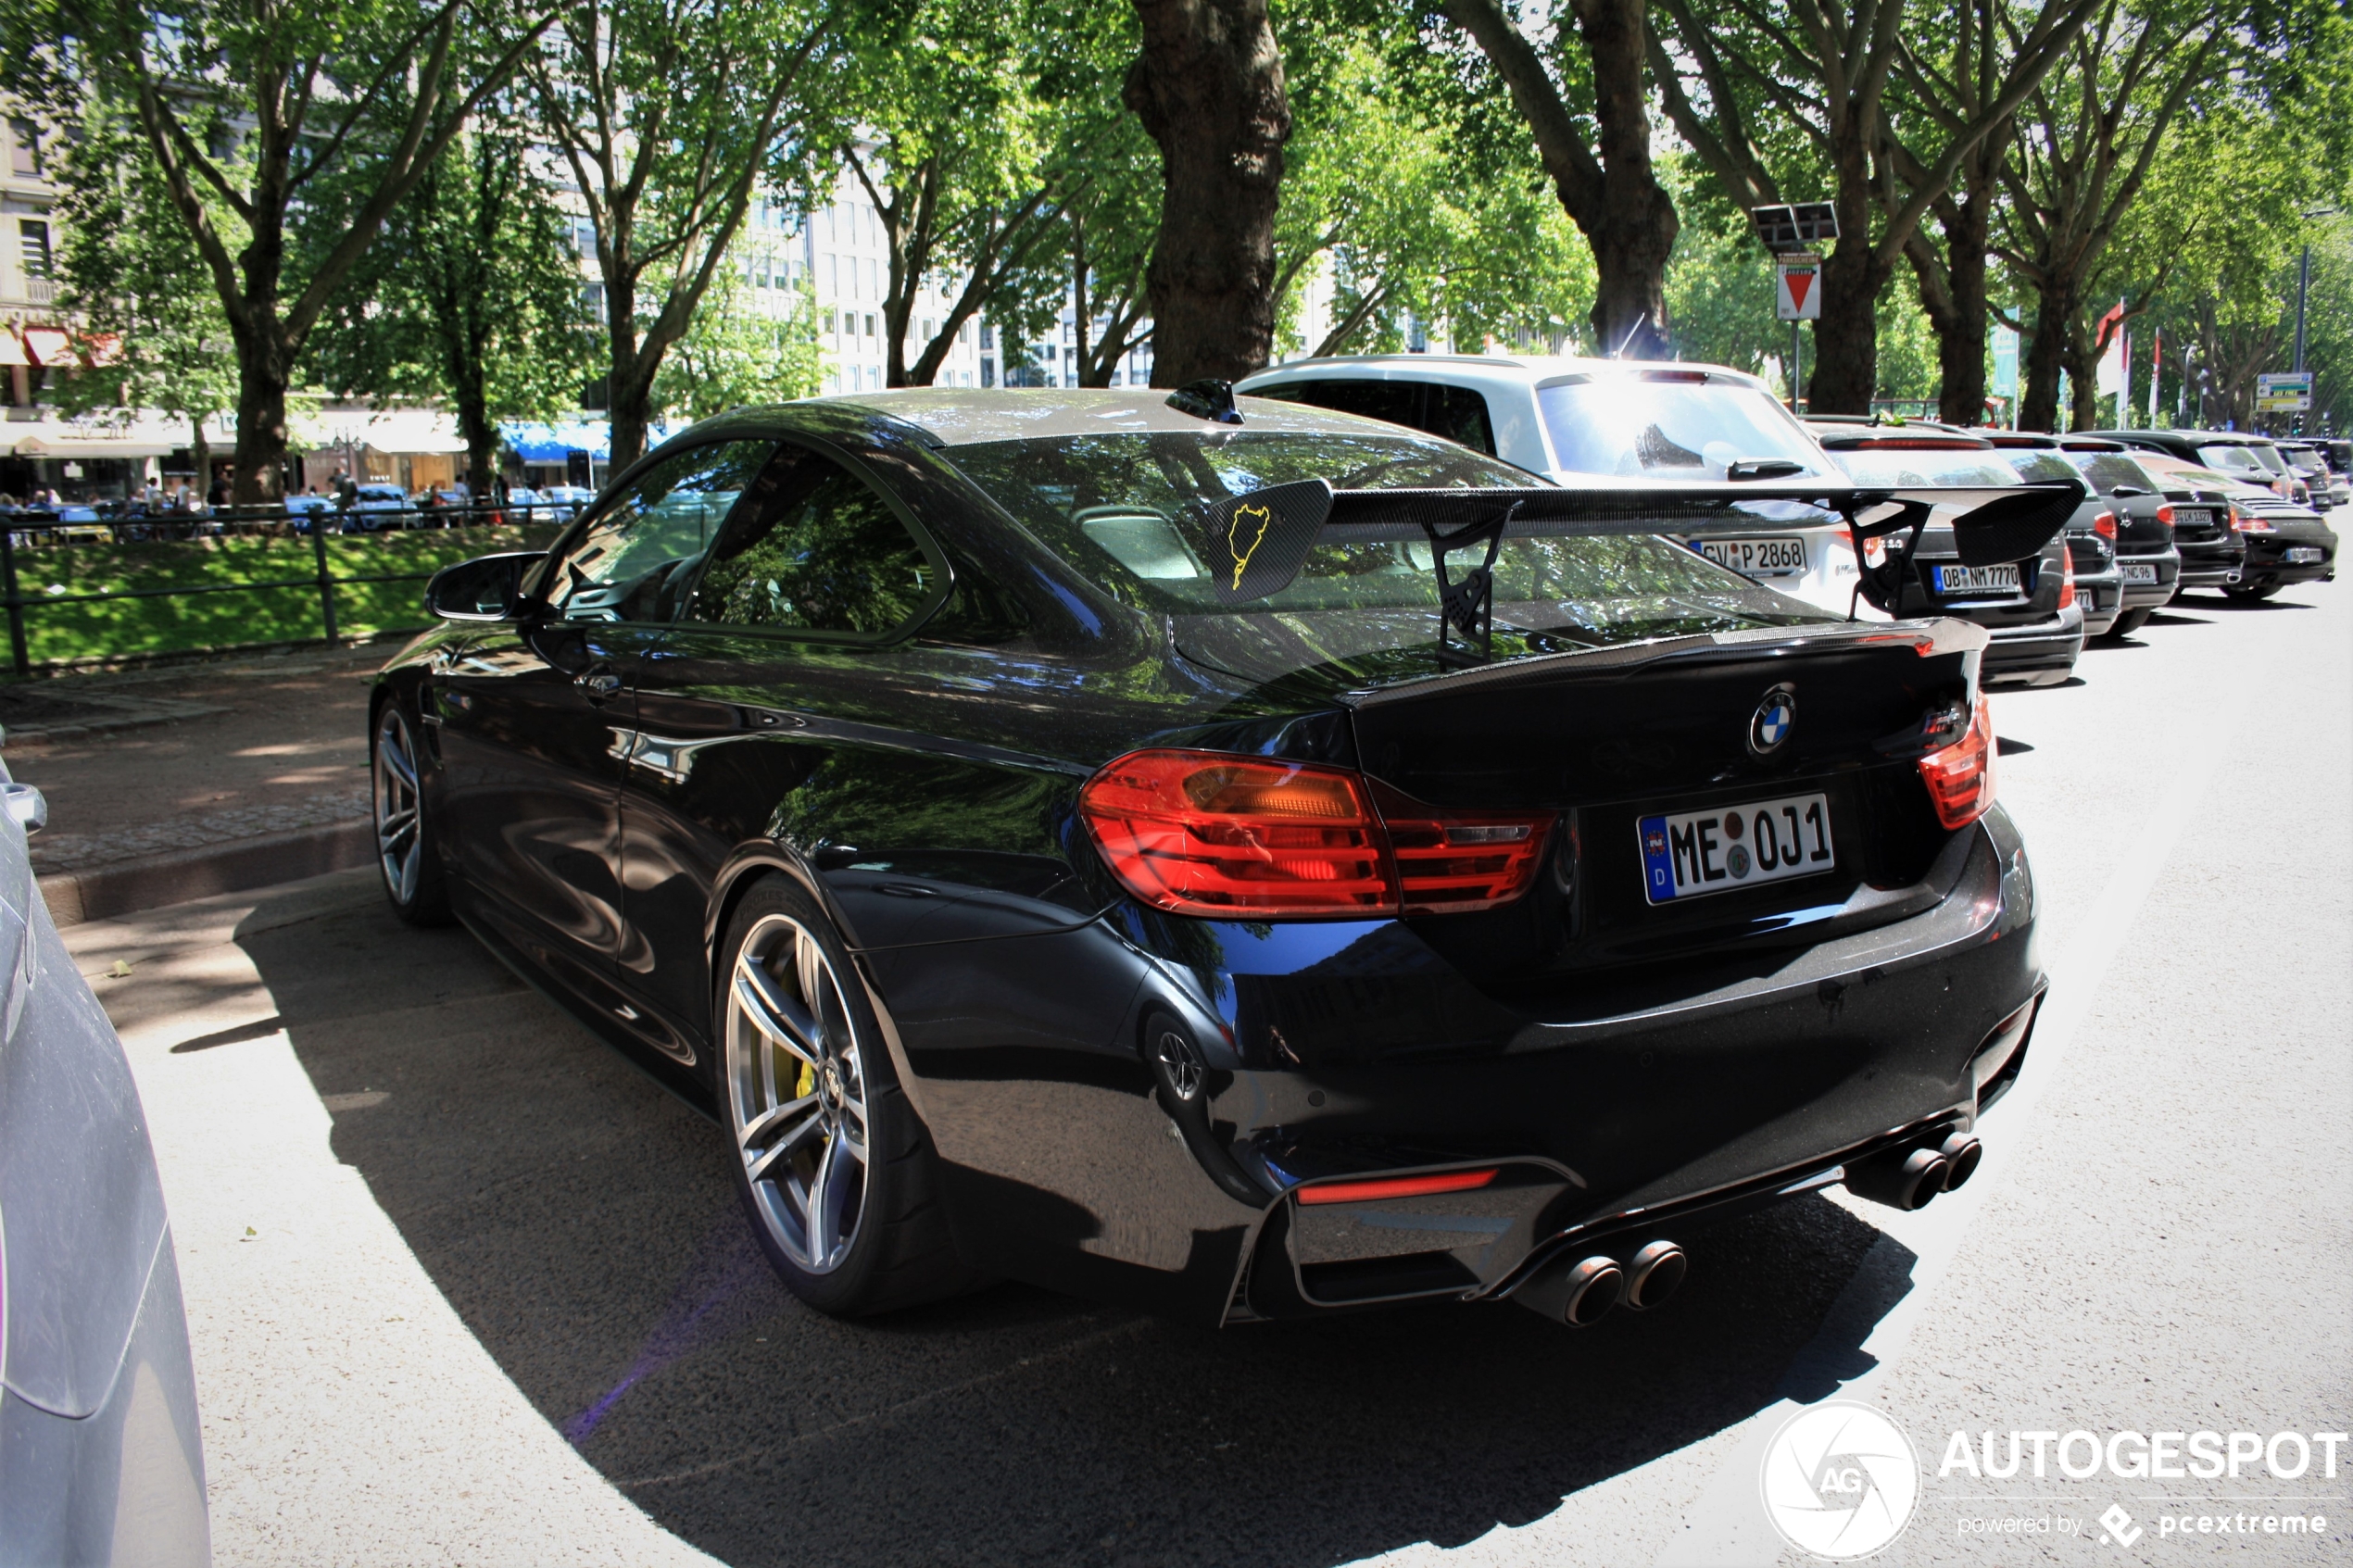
[31, 534]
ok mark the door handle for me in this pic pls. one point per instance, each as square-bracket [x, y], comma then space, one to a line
[599, 684]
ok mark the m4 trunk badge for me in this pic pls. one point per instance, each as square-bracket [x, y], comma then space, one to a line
[1775, 717]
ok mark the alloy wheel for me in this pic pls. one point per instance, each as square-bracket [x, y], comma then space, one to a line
[796, 1093]
[399, 840]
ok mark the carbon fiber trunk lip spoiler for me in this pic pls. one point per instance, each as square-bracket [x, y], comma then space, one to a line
[1257, 544]
[1926, 638]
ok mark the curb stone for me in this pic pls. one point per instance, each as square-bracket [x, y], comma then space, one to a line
[153, 881]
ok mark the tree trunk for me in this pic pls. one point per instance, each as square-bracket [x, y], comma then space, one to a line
[1845, 374]
[1953, 295]
[1209, 89]
[261, 422]
[2083, 374]
[629, 382]
[1635, 229]
[2046, 357]
[1615, 199]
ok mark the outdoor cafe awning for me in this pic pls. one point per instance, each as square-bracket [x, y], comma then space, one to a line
[12, 349]
[536, 442]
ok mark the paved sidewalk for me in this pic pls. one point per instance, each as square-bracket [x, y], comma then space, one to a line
[179, 782]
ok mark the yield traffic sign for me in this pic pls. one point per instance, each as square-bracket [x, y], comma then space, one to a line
[1798, 296]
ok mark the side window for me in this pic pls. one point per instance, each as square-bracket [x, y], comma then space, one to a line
[1459, 414]
[1454, 413]
[645, 542]
[817, 550]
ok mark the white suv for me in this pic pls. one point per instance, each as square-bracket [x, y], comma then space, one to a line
[1628, 420]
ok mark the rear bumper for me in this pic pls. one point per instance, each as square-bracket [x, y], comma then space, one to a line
[2148, 596]
[1353, 1051]
[2039, 655]
[2267, 566]
[2101, 594]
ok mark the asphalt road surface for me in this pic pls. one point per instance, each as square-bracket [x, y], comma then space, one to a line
[465, 1287]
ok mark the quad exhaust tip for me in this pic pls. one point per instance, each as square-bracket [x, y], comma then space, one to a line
[1582, 1293]
[1910, 1178]
[1653, 1275]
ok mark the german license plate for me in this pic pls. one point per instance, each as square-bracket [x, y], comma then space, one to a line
[1756, 558]
[2139, 570]
[2303, 555]
[1977, 580]
[1698, 852]
[2193, 516]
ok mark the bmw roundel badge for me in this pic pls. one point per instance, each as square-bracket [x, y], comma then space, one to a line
[1775, 717]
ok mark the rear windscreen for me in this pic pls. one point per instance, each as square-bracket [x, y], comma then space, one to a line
[1671, 429]
[1123, 509]
[2037, 464]
[2240, 462]
[2110, 471]
[1925, 466]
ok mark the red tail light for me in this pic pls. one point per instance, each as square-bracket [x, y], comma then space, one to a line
[2250, 522]
[2066, 580]
[1960, 777]
[2165, 514]
[1200, 833]
[1396, 1186]
[2104, 525]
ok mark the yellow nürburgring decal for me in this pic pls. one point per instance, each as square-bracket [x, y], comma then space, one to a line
[1265, 517]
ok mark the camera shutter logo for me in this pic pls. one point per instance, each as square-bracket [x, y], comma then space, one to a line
[1840, 1480]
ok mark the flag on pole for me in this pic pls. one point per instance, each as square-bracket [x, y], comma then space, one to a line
[2114, 367]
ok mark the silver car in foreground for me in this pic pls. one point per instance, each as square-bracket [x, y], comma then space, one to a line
[100, 1457]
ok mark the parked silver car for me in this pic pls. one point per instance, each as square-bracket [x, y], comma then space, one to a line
[101, 1461]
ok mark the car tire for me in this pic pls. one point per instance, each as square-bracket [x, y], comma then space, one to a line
[2129, 622]
[2248, 595]
[411, 871]
[834, 1168]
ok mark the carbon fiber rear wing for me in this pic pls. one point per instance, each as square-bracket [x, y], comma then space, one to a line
[1256, 545]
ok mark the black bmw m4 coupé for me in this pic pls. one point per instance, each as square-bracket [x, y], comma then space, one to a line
[1249, 862]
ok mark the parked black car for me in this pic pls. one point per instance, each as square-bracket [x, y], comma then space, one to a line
[2286, 544]
[2029, 606]
[2092, 535]
[1053, 833]
[2146, 554]
[2249, 459]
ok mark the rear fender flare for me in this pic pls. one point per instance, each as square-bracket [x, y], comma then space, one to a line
[737, 877]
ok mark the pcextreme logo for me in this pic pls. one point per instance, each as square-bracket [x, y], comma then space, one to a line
[1840, 1480]
[1234, 546]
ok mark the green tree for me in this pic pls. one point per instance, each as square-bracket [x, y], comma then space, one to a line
[244, 104]
[1786, 99]
[1449, 230]
[1580, 86]
[471, 298]
[671, 114]
[956, 150]
[133, 276]
[737, 355]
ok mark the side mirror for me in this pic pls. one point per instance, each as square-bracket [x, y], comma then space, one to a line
[485, 588]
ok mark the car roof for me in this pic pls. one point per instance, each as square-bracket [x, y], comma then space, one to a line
[1859, 434]
[965, 416]
[1515, 370]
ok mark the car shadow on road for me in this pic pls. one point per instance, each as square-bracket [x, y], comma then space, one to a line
[580, 1221]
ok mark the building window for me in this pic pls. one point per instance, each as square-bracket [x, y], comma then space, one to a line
[988, 373]
[32, 237]
[870, 325]
[25, 155]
